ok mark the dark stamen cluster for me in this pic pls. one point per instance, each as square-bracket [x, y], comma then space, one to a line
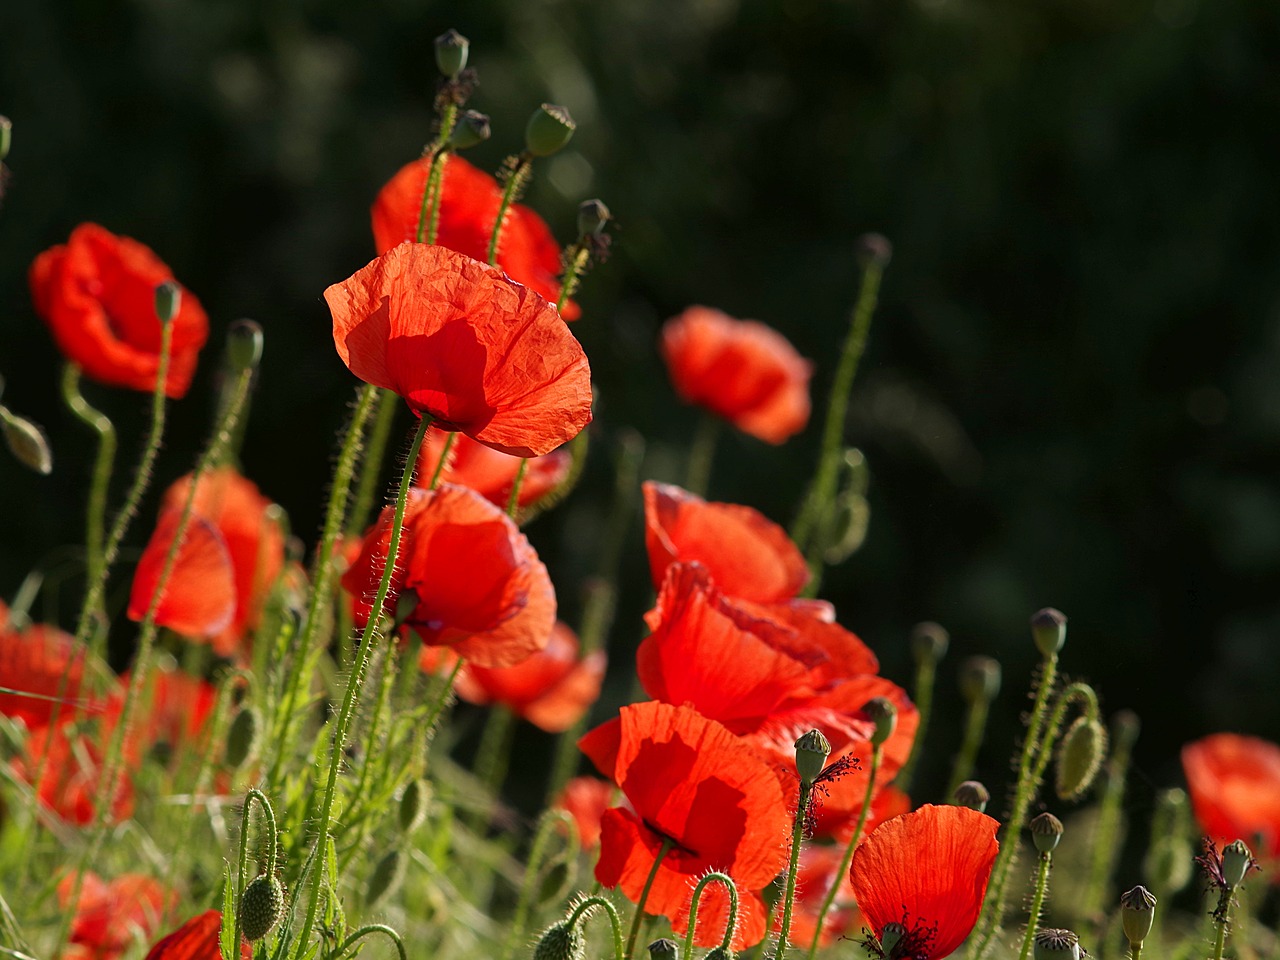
[829, 775]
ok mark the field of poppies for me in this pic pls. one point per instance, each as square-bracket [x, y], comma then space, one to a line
[279, 770]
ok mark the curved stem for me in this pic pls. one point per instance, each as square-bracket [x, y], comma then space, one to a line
[793, 865]
[644, 896]
[519, 177]
[590, 903]
[242, 868]
[363, 932]
[97, 421]
[730, 925]
[1037, 904]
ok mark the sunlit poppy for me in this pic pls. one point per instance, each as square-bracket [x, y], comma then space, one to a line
[927, 871]
[1234, 782]
[748, 555]
[97, 293]
[695, 785]
[490, 473]
[111, 917]
[586, 799]
[551, 689]
[468, 210]
[33, 661]
[197, 939]
[741, 370]
[465, 345]
[198, 599]
[474, 582]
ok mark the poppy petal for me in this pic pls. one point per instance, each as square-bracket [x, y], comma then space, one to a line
[199, 598]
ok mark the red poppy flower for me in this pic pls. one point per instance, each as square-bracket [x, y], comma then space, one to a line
[1234, 783]
[199, 598]
[586, 799]
[71, 765]
[34, 661]
[197, 939]
[97, 293]
[819, 871]
[928, 871]
[478, 584]
[468, 210]
[463, 344]
[490, 473]
[746, 554]
[173, 709]
[741, 370]
[551, 689]
[111, 916]
[692, 782]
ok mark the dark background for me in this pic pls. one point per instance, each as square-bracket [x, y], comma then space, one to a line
[1072, 393]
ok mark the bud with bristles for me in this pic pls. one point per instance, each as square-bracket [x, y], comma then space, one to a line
[168, 300]
[261, 907]
[1137, 913]
[812, 751]
[719, 953]
[979, 679]
[562, 941]
[1049, 630]
[472, 128]
[26, 442]
[451, 52]
[884, 714]
[1046, 831]
[929, 642]
[1080, 757]
[549, 128]
[664, 949]
[413, 804]
[386, 878]
[244, 344]
[593, 217]
[973, 795]
[1057, 944]
[242, 738]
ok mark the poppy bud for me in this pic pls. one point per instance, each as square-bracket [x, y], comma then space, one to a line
[242, 738]
[1080, 757]
[413, 804]
[1046, 831]
[1057, 944]
[386, 878]
[664, 949]
[719, 953]
[973, 795]
[6, 136]
[812, 751]
[1049, 630]
[244, 344]
[472, 128]
[451, 52]
[979, 679]
[884, 714]
[1236, 861]
[549, 129]
[929, 642]
[1167, 865]
[261, 907]
[562, 941]
[890, 935]
[873, 248]
[168, 300]
[593, 215]
[1137, 911]
[26, 442]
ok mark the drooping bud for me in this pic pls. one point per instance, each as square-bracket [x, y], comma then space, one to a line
[261, 907]
[386, 878]
[664, 949]
[472, 128]
[242, 738]
[812, 750]
[451, 52]
[1137, 913]
[874, 248]
[413, 804]
[6, 136]
[929, 642]
[1046, 831]
[244, 344]
[593, 216]
[1084, 746]
[884, 714]
[1054, 943]
[549, 128]
[562, 941]
[1049, 630]
[26, 442]
[979, 679]
[1236, 861]
[890, 935]
[168, 300]
[973, 795]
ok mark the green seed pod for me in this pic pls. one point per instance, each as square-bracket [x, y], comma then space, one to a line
[812, 751]
[873, 248]
[1236, 861]
[929, 642]
[890, 936]
[973, 795]
[562, 941]
[261, 907]
[242, 738]
[979, 679]
[26, 442]
[884, 714]
[413, 805]
[1049, 630]
[1080, 756]
[168, 300]
[6, 136]
[719, 953]
[1057, 944]
[386, 878]
[244, 344]
[1137, 912]
[549, 128]
[664, 949]
[451, 52]
[1167, 865]
[472, 128]
[1046, 831]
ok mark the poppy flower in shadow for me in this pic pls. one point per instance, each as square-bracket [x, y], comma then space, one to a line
[111, 917]
[699, 790]
[490, 473]
[97, 292]
[1234, 782]
[199, 597]
[197, 939]
[465, 576]
[32, 662]
[586, 799]
[741, 370]
[470, 198]
[925, 871]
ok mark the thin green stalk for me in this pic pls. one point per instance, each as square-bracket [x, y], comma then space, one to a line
[387, 406]
[441, 702]
[877, 756]
[702, 453]
[1221, 921]
[975, 728]
[926, 677]
[731, 924]
[354, 681]
[492, 759]
[97, 421]
[636, 920]
[372, 744]
[793, 865]
[444, 458]
[590, 903]
[272, 845]
[1135, 951]
[529, 884]
[1037, 904]
[577, 259]
[513, 501]
[515, 183]
[1105, 846]
[363, 932]
[429, 213]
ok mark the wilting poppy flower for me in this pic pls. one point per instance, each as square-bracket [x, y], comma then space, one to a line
[110, 917]
[465, 345]
[490, 473]
[468, 210]
[741, 370]
[1234, 783]
[748, 555]
[33, 662]
[197, 939]
[97, 293]
[928, 871]
[477, 584]
[70, 762]
[586, 799]
[551, 688]
[199, 597]
[692, 783]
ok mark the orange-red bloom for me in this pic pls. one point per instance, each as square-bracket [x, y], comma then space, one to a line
[928, 871]
[748, 555]
[468, 210]
[465, 345]
[478, 584]
[586, 799]
[111, 916]
[34, 661]
[197, 939]
[741, 370]
[693, 783]
[1234, 783]
[70, 762]
[199, 597]
[490, 473]
[551, 689]
[97, 293]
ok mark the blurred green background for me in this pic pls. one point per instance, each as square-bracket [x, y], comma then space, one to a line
[1072, 393]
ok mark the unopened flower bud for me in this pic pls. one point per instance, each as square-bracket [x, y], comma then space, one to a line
[884, 714]
[1046, 831]
[812, 751]
[388, 874]
[890, 935]
[26, 442]
[593, 216]
[719, 953]
[244, 344]
[242, 738]
[6, 136]
[1167, 865]
[929, 642]
[874, 248]
[261, 907]
[451, 52]
[979, 679]
[1056, 944]
[1084, 746]
[549, 128]
[413, 804]
[1049, 631]
[472, 128]
[973, 795]
[562, 941]
[664, 949]
[1137, 912]
[168, 300]
[1236, 861]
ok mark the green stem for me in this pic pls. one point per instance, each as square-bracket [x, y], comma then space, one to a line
[1135, 951]
[387, 406]
[97, 421]
[590, 903]
[429, 212]
[1110, 815]
[519, 177]
[702, 453]
[272, 843]
[578, 257]
[793, 865]
[636, 920]
[1037, 904]
[442, 700]
[492, 759]
[444, 458]
[974, 729]
[731, 924]
[1221, 921]
[877, 755]
[529, 884]
[354, 681]
[513, 501]
[926, 676]
[363, 932]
